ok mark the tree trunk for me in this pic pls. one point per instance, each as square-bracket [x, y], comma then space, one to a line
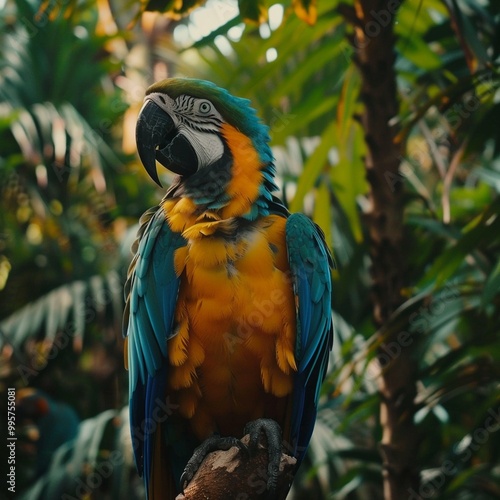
[375, 56]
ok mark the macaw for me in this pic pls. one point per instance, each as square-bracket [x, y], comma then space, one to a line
[56, 423]
[228, 313]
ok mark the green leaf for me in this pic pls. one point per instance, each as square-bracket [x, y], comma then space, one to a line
[322, 214]
[468, 34]
[463, 477]
[348, 175]
[65, 307]
[315, 164]
[420, 54]
[253, 10]
[482, 231]
[492, 285]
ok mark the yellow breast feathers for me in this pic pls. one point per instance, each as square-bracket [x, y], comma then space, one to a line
[233, 350]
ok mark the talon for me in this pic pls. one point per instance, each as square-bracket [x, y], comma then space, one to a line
[272, 432]
[185, 479]
[213, 443]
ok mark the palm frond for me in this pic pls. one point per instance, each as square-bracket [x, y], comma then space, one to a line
[65, 312]
[97, 463]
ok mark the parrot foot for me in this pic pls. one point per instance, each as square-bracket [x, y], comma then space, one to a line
[213, 443]
[272, 431]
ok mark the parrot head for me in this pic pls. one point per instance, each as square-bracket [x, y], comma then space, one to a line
[181, 124]
[201, 132]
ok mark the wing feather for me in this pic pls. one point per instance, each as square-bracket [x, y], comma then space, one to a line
[310, 262]
[152, 287]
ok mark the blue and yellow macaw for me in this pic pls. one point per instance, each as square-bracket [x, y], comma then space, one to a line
[56, 423]
[228, 319]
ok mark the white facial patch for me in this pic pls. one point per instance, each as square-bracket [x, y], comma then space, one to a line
[164, 102]
[197, 120]
[208, 146]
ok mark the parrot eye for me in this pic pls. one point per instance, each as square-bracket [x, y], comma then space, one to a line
[205, 107]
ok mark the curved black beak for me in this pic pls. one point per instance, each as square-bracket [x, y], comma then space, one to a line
[153, 127]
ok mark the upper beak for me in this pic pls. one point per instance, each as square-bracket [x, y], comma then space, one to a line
[153, 125]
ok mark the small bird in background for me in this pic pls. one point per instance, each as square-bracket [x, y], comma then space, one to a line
[228, 316]
[48, 423]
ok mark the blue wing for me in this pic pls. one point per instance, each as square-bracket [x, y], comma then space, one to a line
[151, 289]
[310, 262]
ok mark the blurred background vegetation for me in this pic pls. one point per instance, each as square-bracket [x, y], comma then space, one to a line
[72, 80]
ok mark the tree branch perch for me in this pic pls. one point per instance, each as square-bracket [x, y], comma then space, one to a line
[234, 474]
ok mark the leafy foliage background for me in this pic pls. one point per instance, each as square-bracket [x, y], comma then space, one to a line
[72, 78]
